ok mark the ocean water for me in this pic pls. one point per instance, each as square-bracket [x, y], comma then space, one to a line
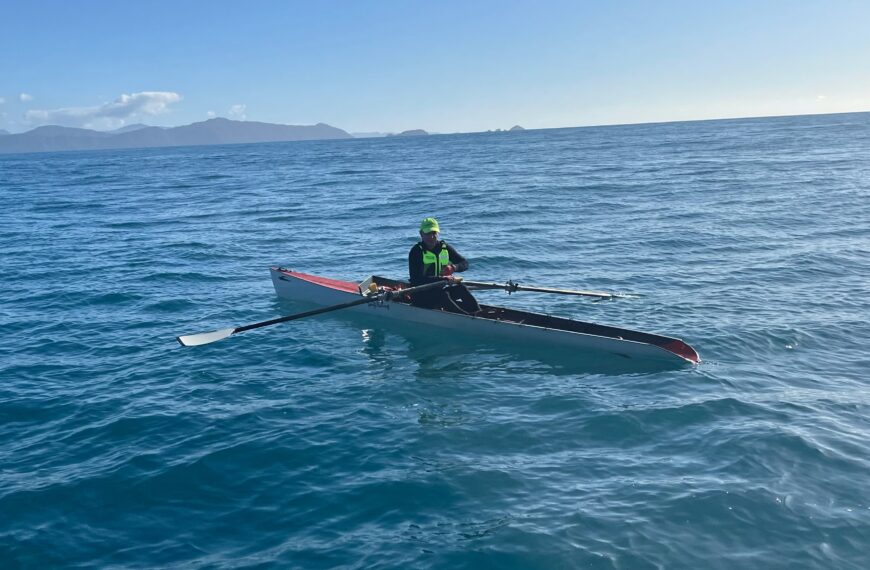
[333, 442]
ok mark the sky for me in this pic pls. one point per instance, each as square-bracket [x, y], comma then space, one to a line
[439, 65]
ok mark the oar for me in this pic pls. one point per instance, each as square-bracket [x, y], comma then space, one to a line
[510, 287]
[213, 336]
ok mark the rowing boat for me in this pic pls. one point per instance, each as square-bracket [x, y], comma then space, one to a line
[496, 323]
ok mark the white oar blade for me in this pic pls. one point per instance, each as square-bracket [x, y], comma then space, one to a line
[204, 338]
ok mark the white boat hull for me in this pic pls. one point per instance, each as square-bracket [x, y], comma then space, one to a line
[300, 287]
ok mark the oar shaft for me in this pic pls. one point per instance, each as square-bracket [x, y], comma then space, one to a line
[311, 313]
[602, 294]
[305, 314]
[214, 336]
[510, 287]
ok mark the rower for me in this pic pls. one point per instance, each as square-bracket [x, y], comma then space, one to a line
[432, 259]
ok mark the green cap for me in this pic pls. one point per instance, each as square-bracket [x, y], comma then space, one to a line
[429, 225]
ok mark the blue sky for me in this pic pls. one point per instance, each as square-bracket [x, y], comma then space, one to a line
[444, 66]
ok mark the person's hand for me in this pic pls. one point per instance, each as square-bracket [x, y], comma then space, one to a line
[447, 270]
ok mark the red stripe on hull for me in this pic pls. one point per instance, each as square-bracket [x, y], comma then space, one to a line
[324, 281]
[682, 349]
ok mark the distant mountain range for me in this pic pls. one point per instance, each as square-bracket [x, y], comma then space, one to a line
[130, 128]
[213, 131]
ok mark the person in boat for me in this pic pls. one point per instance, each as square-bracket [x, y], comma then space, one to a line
[432, 259]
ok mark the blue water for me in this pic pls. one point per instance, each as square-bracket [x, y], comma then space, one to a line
[337, 443]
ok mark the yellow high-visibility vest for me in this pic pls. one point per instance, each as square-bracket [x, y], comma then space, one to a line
[439, 261]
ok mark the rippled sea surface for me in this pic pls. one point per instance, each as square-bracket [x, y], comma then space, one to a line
[333, 442]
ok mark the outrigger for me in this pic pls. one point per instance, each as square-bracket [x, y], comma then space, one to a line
[375, 294]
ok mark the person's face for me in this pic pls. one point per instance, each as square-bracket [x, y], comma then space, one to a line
[429, 238]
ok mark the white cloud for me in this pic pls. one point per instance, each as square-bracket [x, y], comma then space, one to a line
[112, 115]
[238, 112]
[210, 114]
[25, 97]
[821, 97]
[2, 100]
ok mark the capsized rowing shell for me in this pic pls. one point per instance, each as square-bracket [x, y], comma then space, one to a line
[491, 322]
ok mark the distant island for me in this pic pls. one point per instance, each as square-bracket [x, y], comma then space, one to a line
[512, 129]
[411, 133]
[3, 132]
[213, 131]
